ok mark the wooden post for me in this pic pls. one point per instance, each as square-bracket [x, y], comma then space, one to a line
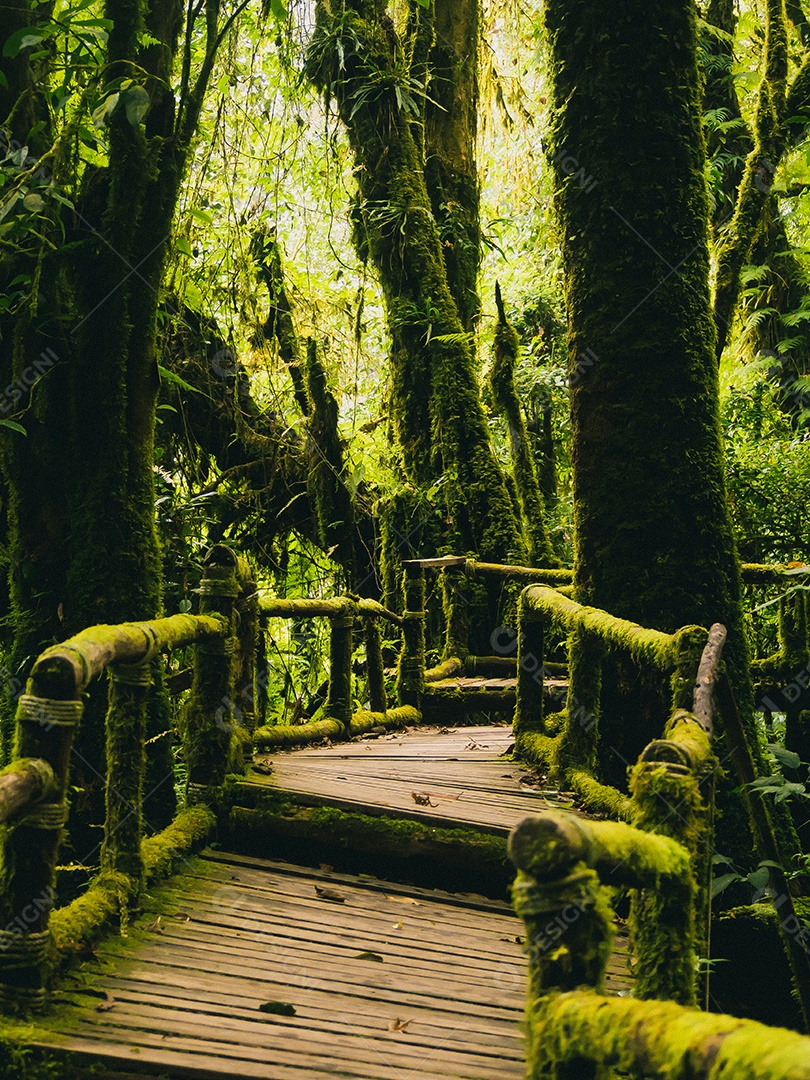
[126, 766]
[569, 926]
[247, 629]
[45, 728]
[339, 699]
[210, 721]
[411, 674]
[377, 696]
[577, 749]
[529, 691]
[455, 589]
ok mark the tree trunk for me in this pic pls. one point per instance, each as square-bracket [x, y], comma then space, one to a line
[654, 541]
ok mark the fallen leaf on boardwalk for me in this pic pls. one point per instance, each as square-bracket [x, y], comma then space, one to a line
[156, 926]
[445, 731]
[182, 916]
[278, 1008]
[473, 745]
[402, 899]
[325, 867]
[369, 956]
[107, 1004]
[399, 1025]
[397, 925]
[263, 766]
[422, 798]
[330, 894]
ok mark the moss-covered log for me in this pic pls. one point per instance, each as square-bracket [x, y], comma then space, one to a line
[281, 735]
[77, 925]
[583, 1034]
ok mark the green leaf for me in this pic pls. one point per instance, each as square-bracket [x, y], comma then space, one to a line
[136, 103]
[723, 882]
[183, 246]
[34, 202]
[184, 606]
[278, 10]
[423, 3]
[102, 113]
[201, 216]
[13, 426]
[170, 377]
[788, 758]
[759, 878]
[24, 38]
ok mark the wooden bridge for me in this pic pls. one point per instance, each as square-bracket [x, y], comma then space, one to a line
[399, 955]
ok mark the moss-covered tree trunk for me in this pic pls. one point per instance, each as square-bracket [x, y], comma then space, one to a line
[654, 542]
[357, 57]
[451, 125]
[82, 532]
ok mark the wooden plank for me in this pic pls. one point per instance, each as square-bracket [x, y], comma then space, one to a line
[431, 1025]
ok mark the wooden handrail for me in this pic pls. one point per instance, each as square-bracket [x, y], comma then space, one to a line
[24, 783]
[280, 608]
[64, 670]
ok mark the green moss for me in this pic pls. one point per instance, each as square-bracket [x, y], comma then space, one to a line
[398, 837]
[582, 1034]
[126, 763]
[600, 798]
[110, 893]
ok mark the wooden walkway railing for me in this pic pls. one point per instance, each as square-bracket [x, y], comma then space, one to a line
[565, 865]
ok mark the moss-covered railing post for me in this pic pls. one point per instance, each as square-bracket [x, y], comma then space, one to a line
[529, 689]
[455, 588]
[411, 673]
[341, 644]
[247, 633]
[210, 721]
[47, 717]
[578, 738]
[375, 670]
[126, 766]
[569, 921]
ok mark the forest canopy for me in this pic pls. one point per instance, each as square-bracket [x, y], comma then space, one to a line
[293, 274]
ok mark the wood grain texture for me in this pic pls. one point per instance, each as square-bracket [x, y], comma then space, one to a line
[460, 772]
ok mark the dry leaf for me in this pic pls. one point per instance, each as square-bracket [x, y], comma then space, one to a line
[330, 894]
[107, 1004]
[155, 926]
[369, 956]
[402, 899]
[264, 767]
[325, 867]
[277, 1008]
[422, 798]
[399, 1025]
[397, 925]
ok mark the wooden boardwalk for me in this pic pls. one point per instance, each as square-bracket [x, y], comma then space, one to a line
[386, 983]
[446, 776]
[243, 967]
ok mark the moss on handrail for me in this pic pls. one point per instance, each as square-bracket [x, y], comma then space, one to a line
[281, 735]
[108, 896]
[577, 1033]
[645, 646]
[279, 608]
[64, 670]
